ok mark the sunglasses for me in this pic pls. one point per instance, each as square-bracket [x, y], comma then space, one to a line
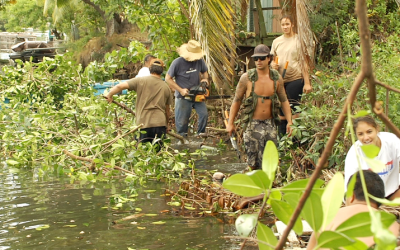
[262, 58]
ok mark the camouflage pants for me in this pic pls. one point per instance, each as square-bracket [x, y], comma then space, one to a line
[255, 138]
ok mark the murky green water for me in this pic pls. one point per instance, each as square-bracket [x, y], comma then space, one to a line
[38, 213]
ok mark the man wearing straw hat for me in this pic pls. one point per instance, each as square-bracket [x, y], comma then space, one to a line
[187, 72]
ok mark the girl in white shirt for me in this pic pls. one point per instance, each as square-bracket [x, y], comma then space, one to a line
[367, 132]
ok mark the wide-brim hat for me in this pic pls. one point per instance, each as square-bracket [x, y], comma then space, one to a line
[191, 51]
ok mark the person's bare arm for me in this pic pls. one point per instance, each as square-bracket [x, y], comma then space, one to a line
[116, 89]
[237, 101]
[173, 85]
[307, 83]
[285, 105]
[204, 77]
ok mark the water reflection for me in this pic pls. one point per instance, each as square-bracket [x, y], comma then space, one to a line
[54, 214]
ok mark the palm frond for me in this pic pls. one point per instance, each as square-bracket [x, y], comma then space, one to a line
[214, 24]
[305, 34]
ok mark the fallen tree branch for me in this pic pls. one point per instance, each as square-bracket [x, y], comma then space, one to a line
[75, 157]
[129, 110]
[121, 136]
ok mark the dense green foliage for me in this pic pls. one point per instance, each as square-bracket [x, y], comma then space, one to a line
[23, 14]
[52, 108]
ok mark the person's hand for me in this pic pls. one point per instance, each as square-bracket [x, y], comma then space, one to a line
[205, 81]
[289, 129]
[184, 92]
[274, 66]
[307, 88]
[109, 98]
[230, 128]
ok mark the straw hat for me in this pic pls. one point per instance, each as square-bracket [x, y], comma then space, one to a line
[191, 51]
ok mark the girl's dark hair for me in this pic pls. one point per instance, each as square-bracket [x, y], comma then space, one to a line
[287, 17]
[367, 119]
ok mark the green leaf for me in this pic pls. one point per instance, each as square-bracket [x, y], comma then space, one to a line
[371, 151]
[393, 203]
[361, 113]
[383, 237]
[260, 178]
[292, 199]
[243, 185]
[270, 160]
[359, 225]
[350, 186]
[375, 165]
[312, 211]
[359, 245]
[12, 162]
[331, 239]
[275, 194]
[265, 234]
[300, 185]
[332, 198]
[245, 223]
[284, 212]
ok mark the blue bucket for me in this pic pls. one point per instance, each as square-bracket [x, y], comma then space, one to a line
[101, 87]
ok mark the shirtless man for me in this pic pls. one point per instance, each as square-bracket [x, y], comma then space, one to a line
[356, 204]
[261, 126]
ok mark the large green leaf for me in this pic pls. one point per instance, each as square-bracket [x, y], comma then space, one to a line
[371, 151]
[300, 185]
[260, 178]
[292, 199]
[375, 165]
[359, 245]
[383, 237]
[312, 211]
[332, 198]
[359, 225]
[245, 223]
[275, 194]
[331, 239]
[243, 185]
[350, 186]
[265, 234]
[284, 212]
[270, 160]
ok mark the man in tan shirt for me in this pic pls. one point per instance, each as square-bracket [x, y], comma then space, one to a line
[153, 101]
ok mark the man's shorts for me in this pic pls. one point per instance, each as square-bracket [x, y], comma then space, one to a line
[255, 138]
